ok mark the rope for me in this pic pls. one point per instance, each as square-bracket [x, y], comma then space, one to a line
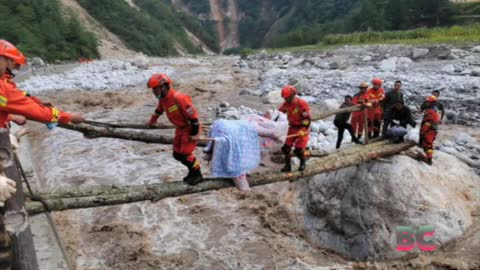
[50, 220]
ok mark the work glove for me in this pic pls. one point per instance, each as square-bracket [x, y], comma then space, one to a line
[7, 189]
[153, 120]
[52, 125]
[195, 127]
[303, 133]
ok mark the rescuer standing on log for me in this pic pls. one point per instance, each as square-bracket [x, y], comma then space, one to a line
[181, 113]
[298, 114]
[375, 95]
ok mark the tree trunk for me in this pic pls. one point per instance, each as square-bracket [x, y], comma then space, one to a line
[93, 129]
[16, 217]
[344, 110]
[134, 126]
[102, 196]
[92, 132]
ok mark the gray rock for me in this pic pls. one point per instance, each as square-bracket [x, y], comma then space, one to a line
[388, 65]
[440, 52]
[448, 68]
[355, 211]
[297, 62]
[322, 64]
[224, 104]
[464, 138]
[245, 92]
[314, 128]
[36, 62]
[476, 49]
[403, 63]
[367, 58]
[323, 126]
[419, 52]
[140, 61]
[476, 72]
[273, 97]
[329, 105]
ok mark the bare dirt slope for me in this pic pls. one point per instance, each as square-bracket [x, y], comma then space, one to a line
[110, 45]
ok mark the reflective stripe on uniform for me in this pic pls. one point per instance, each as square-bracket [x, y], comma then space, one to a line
[173, 108]
[3, 101]
[55, 115]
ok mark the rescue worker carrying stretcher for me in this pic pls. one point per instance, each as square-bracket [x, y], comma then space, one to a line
[298, 114]
[181, 113]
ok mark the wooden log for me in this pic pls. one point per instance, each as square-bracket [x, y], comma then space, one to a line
[16, 217]
[134, 126]
[92, 132]
[155, 192]
[113, 189]
[344, 110]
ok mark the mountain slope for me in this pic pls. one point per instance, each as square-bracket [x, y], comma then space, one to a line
[39, 28]
[150, 26]
[110, 46]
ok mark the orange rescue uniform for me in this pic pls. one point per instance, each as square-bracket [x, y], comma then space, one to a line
[358, 117]
[429, 129]
[298, 114]
[375, 113]
[13, 101]
[180, 111]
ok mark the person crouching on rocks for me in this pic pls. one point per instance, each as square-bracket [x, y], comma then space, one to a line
[341, 122]
[298, 114]
[181, 113]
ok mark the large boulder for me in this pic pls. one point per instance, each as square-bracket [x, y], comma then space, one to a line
[327, 105]
[419, 52]
[273, 97]
[355, 211]
[388, 65]
[404, 63]
[140, 61]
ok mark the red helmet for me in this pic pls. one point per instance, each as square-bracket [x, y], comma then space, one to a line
[158, 79]
[377, 81]
[8, 50]
[288, 91]
[431, 99]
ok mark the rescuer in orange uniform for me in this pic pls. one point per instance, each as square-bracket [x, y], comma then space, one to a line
[298, 114]
[8, 77]
[375, 95]
[429, 127]
[181, 113]
[13, 101]
[358, 117]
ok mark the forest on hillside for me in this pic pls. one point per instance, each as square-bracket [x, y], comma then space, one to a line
[39, 28]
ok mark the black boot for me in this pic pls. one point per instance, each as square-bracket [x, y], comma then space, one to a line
[288, 165]
[429, 161]
[194, 178]
[188, 175]
[302, 165]
[300, 153]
